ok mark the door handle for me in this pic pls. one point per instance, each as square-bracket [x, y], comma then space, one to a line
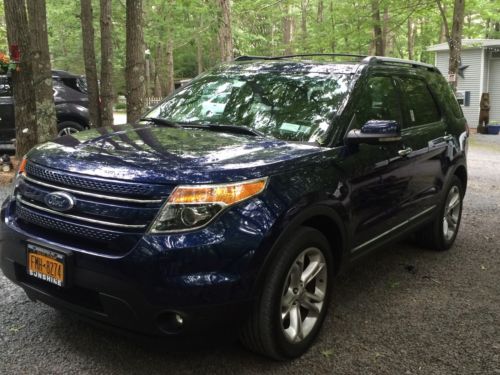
[448, 137]
[405, 152]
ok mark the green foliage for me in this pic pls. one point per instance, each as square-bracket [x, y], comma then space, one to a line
[258, 29]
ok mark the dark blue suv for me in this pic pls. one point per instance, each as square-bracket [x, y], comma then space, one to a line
[234, 203]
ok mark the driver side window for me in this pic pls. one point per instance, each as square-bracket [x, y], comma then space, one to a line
[379, 101]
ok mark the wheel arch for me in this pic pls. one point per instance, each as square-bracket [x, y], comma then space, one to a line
[320, 217]
[461, 173]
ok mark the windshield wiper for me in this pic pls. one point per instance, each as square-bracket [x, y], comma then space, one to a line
[161, 121]
[235, 129]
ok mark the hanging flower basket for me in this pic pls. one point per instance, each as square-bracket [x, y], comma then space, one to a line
[6, 66]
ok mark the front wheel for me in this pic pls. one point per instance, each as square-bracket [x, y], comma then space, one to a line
[289, 313]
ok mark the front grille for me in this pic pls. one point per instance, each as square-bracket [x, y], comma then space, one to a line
[110, 215]
[72, 180]
[42, 220]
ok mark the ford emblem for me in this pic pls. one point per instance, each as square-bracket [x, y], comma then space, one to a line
[60, 201]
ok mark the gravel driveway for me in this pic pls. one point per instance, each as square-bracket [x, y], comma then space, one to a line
[402, 311]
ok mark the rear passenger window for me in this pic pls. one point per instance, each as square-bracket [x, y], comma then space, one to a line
[421, 107]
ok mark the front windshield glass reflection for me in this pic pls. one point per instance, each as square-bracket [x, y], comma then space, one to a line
[295, 107]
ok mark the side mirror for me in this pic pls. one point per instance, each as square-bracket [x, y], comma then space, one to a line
[375, 132]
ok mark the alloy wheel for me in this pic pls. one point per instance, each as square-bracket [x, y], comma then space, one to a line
[303, 294]
[452, 213]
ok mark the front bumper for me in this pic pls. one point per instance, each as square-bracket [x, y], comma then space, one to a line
[206, 277]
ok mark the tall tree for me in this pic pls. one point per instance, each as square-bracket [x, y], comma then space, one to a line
[42, 72]
[170, 48]
[106, 62]
[18, 35]
[135, 60]
[288, 30]
[225, 31]
[454, 37]
[86, 18]
[378, 37]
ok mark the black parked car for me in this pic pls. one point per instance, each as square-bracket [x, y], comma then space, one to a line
[233, 205]
[70, 97]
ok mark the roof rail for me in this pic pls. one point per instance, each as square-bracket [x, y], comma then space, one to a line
[393, 60]
[248, 58]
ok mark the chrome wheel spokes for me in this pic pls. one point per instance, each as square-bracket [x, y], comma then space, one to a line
[452, 213]
[67, 131]
[303, 294]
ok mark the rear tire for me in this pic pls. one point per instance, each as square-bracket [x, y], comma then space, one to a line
[291, 308]
[68, 127]
[441, 233]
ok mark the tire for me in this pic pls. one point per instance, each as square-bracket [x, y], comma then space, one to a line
[68, 127]
[441, 233]
[266, 331]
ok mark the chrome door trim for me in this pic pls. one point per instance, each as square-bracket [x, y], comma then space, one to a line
[393, 229]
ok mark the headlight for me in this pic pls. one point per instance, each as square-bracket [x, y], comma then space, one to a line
[190, 207]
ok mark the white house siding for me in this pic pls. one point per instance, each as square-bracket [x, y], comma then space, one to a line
[472, 81]
[494, 90]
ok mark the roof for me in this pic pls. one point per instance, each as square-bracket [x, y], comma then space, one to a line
[63, 74]
[467, 43]
[288, 63]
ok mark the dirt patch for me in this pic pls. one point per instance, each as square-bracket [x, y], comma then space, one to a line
[7, 177]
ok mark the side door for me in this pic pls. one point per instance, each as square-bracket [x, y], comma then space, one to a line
[379, 176]
[7, 125]
[424, 136]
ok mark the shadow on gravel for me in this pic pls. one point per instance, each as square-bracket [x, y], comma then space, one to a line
[385, 269]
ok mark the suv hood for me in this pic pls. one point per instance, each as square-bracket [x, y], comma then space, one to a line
[164, 155]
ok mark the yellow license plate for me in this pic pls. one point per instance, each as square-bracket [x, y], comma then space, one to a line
[45, 264]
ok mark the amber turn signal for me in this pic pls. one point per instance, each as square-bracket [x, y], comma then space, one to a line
[227, 193]
[22, 166]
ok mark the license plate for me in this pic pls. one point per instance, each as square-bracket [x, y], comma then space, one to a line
[45, 264]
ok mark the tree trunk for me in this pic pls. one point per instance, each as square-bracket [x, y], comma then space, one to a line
[170, 49]
[378, 40]
[90, 64]
[157, 85]
[107, 95]
[288, 31]
[454, 37]
[22, 79]
[319, 16]
[134, 71]
[411, 38]
[170, 66]
[147, 74]
[225, 33]
[386, 38]
[455, 41]
[303, 21]
[199, 56]
[42, 72]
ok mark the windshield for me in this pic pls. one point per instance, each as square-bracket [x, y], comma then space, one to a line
[295, 107]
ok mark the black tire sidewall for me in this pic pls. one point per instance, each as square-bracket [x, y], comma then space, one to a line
[271, 297]
[69, 124]
[441, 241]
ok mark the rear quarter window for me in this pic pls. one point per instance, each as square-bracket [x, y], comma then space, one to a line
[445, 94]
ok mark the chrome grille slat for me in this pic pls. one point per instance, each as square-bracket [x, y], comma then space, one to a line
[82, 182]
[29, 216]
[101, 196]
[76, 217]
